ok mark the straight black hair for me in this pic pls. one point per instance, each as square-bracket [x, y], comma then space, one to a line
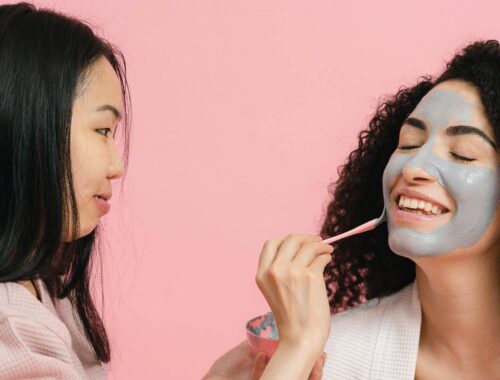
[44, 59]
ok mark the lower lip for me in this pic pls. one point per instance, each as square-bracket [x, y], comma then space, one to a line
[103, 205]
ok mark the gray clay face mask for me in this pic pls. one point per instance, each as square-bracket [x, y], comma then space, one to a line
[475, 190]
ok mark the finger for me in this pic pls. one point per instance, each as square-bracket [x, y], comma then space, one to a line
[259, 366]
[268, 252]
[316, 374]
[317, 371]
[308, 252]
[291, 245]
[319, 263]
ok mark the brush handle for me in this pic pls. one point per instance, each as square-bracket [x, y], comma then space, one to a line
[370, 225]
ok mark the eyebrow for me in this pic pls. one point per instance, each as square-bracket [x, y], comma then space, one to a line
[108, 107]
[454, 130]
[415, 123]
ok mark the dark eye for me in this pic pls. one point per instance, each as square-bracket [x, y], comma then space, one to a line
[461, 158]
[106, 131]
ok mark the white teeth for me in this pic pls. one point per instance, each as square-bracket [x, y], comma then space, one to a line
[414, 203]
[419, 205]
[406, 202]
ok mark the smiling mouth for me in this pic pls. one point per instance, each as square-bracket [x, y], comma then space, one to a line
[419, 206]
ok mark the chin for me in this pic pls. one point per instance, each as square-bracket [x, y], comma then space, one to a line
[86, 231]
[86, 228]
[407, 243]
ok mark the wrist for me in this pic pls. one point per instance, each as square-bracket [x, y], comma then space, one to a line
[292, 360]
[306, 347]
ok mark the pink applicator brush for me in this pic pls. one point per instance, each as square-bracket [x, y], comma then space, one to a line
[368, 226]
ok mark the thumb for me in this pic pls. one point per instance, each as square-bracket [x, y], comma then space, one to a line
[259, 366]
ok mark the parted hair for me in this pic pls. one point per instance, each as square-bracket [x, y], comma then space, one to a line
[44, 60]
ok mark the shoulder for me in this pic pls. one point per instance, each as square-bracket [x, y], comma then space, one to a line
[30, 287]
[371, 312]
[33, 342]
[21, 335]
[28, 349]
[36, 342]
[28, 321]
[366, 334]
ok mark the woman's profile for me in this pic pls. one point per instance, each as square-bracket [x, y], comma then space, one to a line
[418, 297]
[63, 95]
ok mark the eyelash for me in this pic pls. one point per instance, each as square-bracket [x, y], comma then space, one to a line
[408, 147]
[104, 129]
[462, 158]
[454, 155]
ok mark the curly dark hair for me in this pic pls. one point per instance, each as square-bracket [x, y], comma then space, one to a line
[364, 266]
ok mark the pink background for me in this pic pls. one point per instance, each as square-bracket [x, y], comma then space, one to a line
[242, 112]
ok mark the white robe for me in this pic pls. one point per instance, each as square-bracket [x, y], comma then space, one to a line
[377, 340]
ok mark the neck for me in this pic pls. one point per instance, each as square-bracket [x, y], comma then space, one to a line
[460, 298]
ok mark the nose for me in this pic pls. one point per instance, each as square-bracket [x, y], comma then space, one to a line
[116, 166]
[417, 175]
[422, 167]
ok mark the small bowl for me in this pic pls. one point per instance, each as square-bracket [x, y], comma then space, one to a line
[262, 334]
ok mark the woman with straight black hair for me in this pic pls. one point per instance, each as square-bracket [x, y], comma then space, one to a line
[63, 93]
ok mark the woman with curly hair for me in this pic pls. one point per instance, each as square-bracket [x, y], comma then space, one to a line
[418, 297]
[63, 94]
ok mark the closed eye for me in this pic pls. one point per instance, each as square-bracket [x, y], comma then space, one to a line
[408, 147]
[106, 131]
[454, 155]
[462, 158]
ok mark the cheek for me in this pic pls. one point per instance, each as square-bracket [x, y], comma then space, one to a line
[84, 184]
[392, 172]
[475, 189]
[88, 168]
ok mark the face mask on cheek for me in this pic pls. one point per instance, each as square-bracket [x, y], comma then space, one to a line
[474, 189]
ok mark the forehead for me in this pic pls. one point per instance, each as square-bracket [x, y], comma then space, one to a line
[101, 86]
[443, 106]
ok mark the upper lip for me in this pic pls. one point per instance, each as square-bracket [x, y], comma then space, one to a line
[106, 196]
[415, 194]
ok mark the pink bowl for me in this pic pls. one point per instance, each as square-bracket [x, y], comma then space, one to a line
[262, 334]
